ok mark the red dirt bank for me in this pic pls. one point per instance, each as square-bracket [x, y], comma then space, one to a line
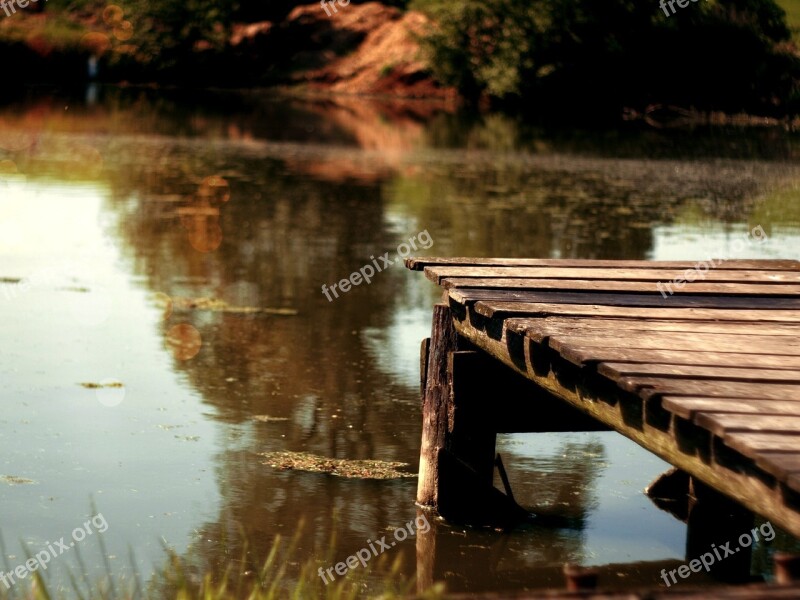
[362, 49]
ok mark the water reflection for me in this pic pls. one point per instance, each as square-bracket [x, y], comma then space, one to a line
[257, 203]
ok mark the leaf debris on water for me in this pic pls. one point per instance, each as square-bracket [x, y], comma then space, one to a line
[268, 419]
[341, 467]
[14, 480]
[216, 304]
[96, 386]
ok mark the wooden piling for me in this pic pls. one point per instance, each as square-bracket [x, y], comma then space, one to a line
[435, 402]
[716, 519]
[457, 455]
[787, 568]
[580, 578]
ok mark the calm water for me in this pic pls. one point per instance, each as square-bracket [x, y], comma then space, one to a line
[114, 202]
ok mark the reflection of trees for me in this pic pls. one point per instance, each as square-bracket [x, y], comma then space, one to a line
[498, 133]
[564, 198]
[557, 484]
[283, 235]
[517, 211]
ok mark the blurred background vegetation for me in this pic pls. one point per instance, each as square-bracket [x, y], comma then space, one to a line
[570, 55]
[730, 55]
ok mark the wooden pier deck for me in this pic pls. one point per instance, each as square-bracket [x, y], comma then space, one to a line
[705, 373]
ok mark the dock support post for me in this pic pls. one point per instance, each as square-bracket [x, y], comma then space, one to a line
[711, 518]
[580, 578]
[470, 435]
[426, 554]
[435, 401]
[787, 568]
[458, 436]
[716, 519]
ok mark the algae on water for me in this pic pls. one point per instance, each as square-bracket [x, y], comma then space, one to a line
[357, 469]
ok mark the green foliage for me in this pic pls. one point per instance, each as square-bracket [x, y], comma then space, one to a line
[482, 46]
[168, 31]
[719, 54]
[387, 69]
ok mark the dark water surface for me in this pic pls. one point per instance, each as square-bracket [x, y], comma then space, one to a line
[115, 204]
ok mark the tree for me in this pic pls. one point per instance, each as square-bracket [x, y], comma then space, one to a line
[171, 32]
[589, 55]
[482, 47]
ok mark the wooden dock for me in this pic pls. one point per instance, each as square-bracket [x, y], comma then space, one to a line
[700, 366]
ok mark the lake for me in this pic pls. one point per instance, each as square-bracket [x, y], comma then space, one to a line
[134, 222]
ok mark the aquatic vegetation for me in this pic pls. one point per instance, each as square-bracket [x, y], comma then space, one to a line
[14, 480]
[215, 304]
[357, 469]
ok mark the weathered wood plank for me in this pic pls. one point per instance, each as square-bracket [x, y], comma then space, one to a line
[581, 355]
[649, 387]
[759, 494]
[687, 407]
[752, 444]
[467, 296]
[664, 275]
[618, 370]
[715, 364]
[780, 464]
[723, 424]
[419, 263]
[707, 342]
[655, 326]
[584, 311]
[793, 481]
[614, 286]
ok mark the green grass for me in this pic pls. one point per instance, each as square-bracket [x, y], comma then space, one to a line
[281, 577]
